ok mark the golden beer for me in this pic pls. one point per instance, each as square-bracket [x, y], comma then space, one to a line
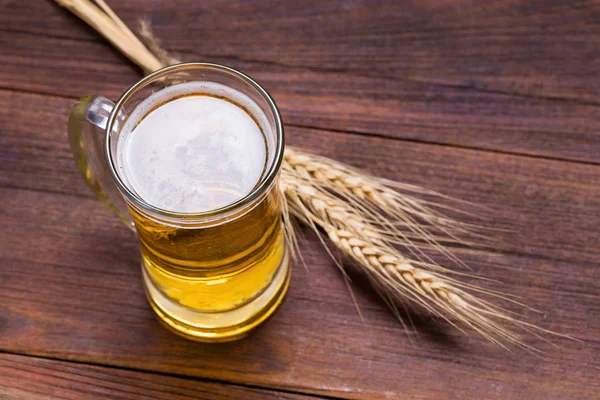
[194, 151]
[215, 270]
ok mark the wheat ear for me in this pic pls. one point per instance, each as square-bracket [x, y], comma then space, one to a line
[404, 218]
[396, 276]
[383, 264]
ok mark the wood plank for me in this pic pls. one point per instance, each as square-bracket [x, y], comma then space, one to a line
[550, 207]
[512, 76]
[72, 289]
[34, 378]
[467, 75]
[539, 40]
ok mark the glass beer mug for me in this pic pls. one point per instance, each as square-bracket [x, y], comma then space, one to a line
[189, 159]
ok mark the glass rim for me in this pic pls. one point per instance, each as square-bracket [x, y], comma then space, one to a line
[262, 186]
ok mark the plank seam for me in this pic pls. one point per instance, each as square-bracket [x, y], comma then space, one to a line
[370, 135]
[174, 375]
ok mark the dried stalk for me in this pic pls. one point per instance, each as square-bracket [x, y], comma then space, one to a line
[105, 21]
[365, 217]
[392, 271]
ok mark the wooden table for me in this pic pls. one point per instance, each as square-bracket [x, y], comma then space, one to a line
[495, 102]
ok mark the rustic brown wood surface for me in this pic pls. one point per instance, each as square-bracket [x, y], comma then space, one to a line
[34, 378]
[495, 102]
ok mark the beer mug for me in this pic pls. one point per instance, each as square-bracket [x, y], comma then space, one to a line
[189, 159]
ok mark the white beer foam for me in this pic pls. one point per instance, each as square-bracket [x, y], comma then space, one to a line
[194, 153]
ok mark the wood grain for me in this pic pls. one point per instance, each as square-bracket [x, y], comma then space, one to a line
[492, 77]
[549, 206]
[31, 378]
[78, 294]
[72, 289]
[493, 102]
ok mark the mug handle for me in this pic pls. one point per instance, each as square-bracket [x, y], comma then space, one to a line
[87, 133]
